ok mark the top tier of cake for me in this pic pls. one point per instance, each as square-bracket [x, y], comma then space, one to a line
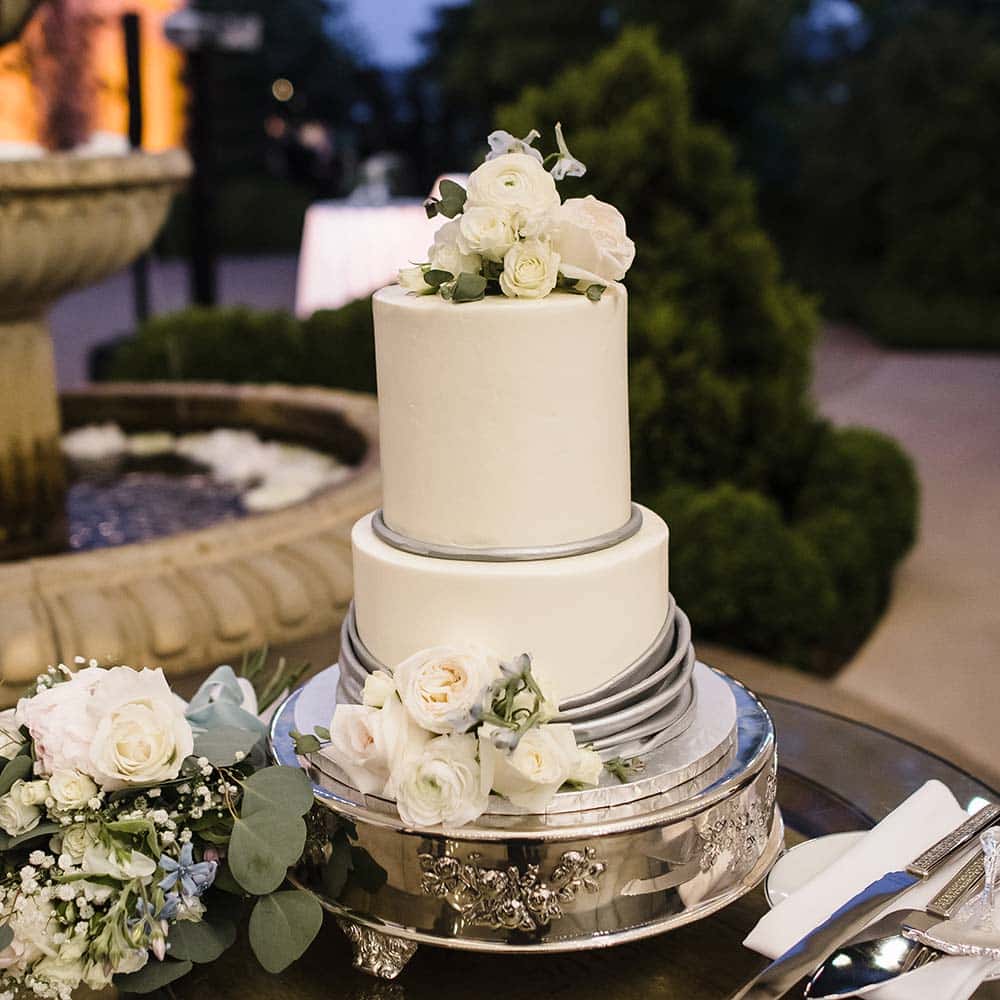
[503, 423]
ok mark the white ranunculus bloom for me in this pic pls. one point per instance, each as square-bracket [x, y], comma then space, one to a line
[379, 688]
[532, 773]
[444, 688]
[530, 269]
[368, 743]
[444, 784]
[489, 230]
[501, 143]
[590, 237]
[140, 735]
[412, 279]
[60, 723]
[17, 816]
[518, 183]
[71, 789]
[588, 768]
[446, 253]
[11, 739]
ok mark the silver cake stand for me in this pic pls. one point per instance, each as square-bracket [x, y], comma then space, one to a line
[691, 832]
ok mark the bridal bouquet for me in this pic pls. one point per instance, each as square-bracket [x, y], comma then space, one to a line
[511, 234]
[134, 825]
[447, 728]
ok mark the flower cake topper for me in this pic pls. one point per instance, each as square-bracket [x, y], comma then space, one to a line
[511, 234]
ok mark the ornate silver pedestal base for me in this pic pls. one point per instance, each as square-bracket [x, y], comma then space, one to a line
[377, 954]
[562, 881]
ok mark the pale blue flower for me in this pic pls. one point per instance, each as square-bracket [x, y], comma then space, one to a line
[566, 165]
[194, 878]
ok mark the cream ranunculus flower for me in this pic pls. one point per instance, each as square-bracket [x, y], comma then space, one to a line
[368, 743]
[444, 688]
[17, 816]
[531, 773]
[489, 230]
[141, 736]
[589, 235]
[71, 789]
[412, 279]
[444, 784]
[518, 183]
[530, 269]
[446, 253]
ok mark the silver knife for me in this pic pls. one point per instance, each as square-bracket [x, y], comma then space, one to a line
[789, 970]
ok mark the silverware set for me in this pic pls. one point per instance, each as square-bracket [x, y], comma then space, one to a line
[848, 955]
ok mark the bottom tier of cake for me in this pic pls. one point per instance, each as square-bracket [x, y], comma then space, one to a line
[582, 618]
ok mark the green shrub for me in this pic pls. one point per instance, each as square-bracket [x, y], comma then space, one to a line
[333, 347]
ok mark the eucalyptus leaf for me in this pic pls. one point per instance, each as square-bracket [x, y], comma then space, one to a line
[469, 287]
[42, 830]
[15, 770]
[152, 976]
[262, 848]
[6, 936]
[225, 882]
[322, 732]
[305, 743]
[200, 942]
[437, 276]
[282, 926]
[452, 200]
[222, 744]
[594, 292]
[431, 207]
[284, 789]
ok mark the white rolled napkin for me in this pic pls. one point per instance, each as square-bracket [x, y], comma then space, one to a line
[909, 830]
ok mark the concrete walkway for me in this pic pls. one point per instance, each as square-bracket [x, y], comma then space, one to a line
[931, 669]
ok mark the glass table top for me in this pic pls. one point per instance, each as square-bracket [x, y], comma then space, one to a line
[835, 774]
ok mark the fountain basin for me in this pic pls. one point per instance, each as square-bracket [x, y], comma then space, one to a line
[203, 597]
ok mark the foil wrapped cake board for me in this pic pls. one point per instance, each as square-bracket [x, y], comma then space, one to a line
[567, 880]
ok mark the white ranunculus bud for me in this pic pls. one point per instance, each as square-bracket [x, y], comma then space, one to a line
[16, 816]
[444, 784]
[446, 253]
[588, 768]
[141, 736]
[71, 789]
[530, 269]
[367, 743]
[11, 739]
[590, 237]
[444, 688]
[379, 688]
[412, 279]
[516, 182]
[489, 230]
[532, 773]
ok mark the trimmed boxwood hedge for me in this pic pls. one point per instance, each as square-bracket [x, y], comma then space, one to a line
[785, 531]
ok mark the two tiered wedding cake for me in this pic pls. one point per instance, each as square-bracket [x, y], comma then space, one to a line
[512, 628]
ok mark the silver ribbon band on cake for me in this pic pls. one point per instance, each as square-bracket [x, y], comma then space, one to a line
[642, 707]
[528, 553]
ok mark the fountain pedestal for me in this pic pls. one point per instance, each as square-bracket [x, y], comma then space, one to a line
[65, 221]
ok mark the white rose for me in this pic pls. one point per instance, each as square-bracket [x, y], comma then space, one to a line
[31, 793]
[588, 768]
[446, 253]
[517, 182]
[530, 269]
[17, 816]
[444, 688]
[141, 736]
[71, 789]
[532, 773]
[379, 688]
[368, 743]
[77, 838]
[59, 721]
[443, 784]
[490, 230]
[412, 280]
[11, 739]
[589, 236]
